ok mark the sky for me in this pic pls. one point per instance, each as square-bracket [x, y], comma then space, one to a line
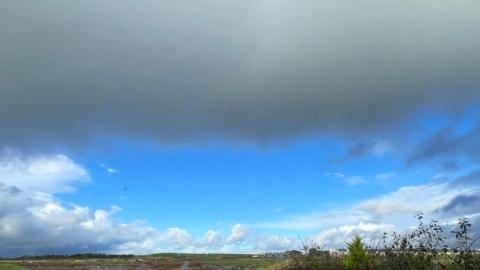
[234, 126]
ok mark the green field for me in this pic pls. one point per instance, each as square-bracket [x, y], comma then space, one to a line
[9, 266]
[167, 261]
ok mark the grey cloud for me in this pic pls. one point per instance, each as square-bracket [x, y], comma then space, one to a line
[446, 144]
[240, 71]
[354, 151]
[360, 149]
[449, 165]
[471, 177]
[463, 201]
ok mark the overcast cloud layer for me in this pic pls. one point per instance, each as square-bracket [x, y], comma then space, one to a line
[242, 71]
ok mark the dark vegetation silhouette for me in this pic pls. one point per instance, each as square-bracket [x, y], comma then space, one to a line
[427, 247]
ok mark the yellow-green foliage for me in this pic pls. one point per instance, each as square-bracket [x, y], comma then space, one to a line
[357, 254]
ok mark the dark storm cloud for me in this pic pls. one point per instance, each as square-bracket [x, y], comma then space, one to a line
[242, 71]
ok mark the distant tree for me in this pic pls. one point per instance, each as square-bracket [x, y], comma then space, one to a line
[357, 254]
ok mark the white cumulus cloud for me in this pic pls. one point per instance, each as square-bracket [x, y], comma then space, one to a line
[239, 233]
[51, 173]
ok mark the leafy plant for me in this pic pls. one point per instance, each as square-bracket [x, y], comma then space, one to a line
[464, 254]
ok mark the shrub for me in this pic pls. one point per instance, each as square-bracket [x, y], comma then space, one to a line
[313, 257]
[357, 254]
[465, 257]
[420, 249]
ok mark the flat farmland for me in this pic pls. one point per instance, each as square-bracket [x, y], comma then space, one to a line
[167, 261]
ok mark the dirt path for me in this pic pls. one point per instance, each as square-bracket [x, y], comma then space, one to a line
[185, 265]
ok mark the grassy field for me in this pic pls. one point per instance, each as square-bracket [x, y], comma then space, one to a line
[164, 261]
[235, 261]
[10, 266]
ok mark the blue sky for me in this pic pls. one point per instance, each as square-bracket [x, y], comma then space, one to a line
[233, 126]
[215, 186]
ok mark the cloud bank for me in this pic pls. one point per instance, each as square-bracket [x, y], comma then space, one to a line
[38, 223]
[445, 202]
[34, 221]
[240, 71]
